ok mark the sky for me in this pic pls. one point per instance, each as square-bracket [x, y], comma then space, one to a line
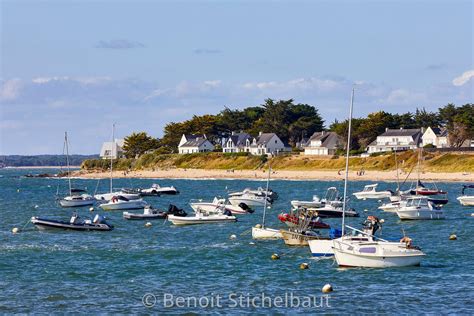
[80, 66]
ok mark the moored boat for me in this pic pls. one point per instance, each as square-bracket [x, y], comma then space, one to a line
[465, 199]
[202, 217]
[419, 208]
[370, 192]
[122, 203]
[151, 213]
[75, 223]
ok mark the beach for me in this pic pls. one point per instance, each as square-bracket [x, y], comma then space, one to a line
[179, 173]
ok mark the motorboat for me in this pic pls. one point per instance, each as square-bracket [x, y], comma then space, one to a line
[464, 199]
[260, 232]
[330, 211]
[151, 213]
[120, 202]
[314, 203]
[249, 200]
[419, 207]
[370, 192]
[77, 200]
[108, 196]
[154, 190]
[75, 223]
[203, 217]
[331, 197]
[216, 203]
[272, 195]
[293, 219]
[392, 207]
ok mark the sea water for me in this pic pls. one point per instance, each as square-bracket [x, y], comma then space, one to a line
[169, 269]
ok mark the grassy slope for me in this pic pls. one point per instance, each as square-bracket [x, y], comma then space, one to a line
[449, 162]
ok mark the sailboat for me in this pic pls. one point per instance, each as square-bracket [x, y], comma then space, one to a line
[374, 252]
[259, 231]
[75, 198]
[107, 197]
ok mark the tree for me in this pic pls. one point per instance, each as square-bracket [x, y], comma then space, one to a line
[138, 143]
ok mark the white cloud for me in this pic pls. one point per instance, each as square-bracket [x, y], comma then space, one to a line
[464, 78]
[404, 97]
[82, 80]
[10, 89]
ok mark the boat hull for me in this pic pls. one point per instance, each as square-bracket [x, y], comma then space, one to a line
[212, 207]
[109, 196]
[249, 202]
[124, 205]
[133, 216]
[466, 200]
[46, 224]
[266, 233]
[76, 203]
[372, 195]
[321, 247]
[345, 259]
[196, 220]
[419, 214]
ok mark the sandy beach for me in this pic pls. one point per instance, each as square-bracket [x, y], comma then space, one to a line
[277, 174]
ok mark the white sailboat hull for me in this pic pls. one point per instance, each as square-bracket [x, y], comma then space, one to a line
[266, 233]
[466, 200]
[76, 202]
[376, 255]
[109, 196]
[123, 205]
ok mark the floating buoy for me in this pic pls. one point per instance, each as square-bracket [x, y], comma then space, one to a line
[148, 224]
[304, 266]
[380, 201]
[258, 226]
[453, 237]
[472, 214]
[327, 288]
[17, 190]
[251, 243]
[275, 256]
[91, 209]
[233, 236]
[15, 230]
[382, 221]
[366, 210]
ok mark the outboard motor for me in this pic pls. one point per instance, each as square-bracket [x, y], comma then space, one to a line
[227, 212]
[98, 219]
[174, 210]
[246, 208]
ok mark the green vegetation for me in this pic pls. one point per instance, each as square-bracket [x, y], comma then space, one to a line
[435, 162]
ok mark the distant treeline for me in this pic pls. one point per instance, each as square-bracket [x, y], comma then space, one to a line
[43, 160]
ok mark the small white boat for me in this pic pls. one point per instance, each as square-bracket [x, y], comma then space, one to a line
[77, 200]
[314, 203]
[259, 232]
[122, 203]
[110, 195]
[249, 200]
[378, 253]
[370, 192]
[156, 189]
[218, 203]
[464, 199]
[419, 207]
[203, 217]
[272, 195]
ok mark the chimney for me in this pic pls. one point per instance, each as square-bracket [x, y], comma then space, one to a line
[386, 129]
[233, 133]
[401, 128]
[260, 133]
[422, 130]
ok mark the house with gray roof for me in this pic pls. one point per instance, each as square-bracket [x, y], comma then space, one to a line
[237, 142]
[396, 139]
[191, 143]
[267, 144]
[435, 136]
[322, 143]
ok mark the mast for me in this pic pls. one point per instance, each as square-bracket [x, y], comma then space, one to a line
[112, 158]
[266, 197]
[398, 176]
[347, 163]
[67, 163]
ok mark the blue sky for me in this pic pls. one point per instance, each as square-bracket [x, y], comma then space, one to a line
[82, 65]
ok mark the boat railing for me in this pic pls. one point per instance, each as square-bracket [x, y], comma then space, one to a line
[364, 233]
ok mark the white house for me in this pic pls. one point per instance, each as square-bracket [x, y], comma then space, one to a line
[237, 142]
[396, 139]
[112, 150]
[322, 143]
[435, 136]
[267, 144]
[190, 144]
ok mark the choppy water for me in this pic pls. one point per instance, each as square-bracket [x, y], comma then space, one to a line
[42, 272]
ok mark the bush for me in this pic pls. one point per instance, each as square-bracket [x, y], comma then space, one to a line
[429, 146]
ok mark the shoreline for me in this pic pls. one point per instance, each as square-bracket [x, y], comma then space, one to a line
[326, 175]
[41, 167]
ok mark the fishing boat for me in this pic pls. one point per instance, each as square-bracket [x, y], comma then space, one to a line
[295, 217]
[297, 238]
[76, 197]
[464, 199]
[75, 223]
[250, 200]
[216, 203]
[370, 192]
[151, 213]
[355, 251]
[120, 202]
[260, 231]
[419, 207]
[203, 217]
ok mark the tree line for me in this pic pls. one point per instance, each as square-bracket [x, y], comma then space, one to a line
[294, 121]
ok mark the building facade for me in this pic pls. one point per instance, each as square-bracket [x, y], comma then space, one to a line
[396, 139]
[323, 144]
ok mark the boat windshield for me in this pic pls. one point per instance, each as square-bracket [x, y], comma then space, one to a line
[417, 202]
